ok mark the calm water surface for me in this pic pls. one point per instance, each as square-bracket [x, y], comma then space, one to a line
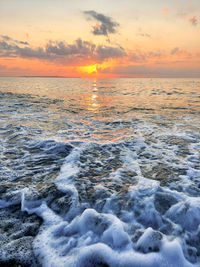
[96, 103]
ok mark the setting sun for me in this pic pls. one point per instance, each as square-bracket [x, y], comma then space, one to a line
[89, 69]
[96, 70]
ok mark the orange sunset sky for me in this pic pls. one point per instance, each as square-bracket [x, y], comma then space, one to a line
[107, 38]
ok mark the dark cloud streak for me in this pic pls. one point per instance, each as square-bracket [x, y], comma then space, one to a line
[139, 56]
[145, 71]
[175, 51]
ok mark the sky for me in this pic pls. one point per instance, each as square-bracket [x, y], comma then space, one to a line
[93, 38]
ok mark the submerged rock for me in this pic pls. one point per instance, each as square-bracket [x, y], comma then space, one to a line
[93, 261]
[163, 173]
[193, 240]
[18, 229]
[163, 201]
[19, 251]
[182, 144]
[137, 234]
[58, 201]
[17, 232]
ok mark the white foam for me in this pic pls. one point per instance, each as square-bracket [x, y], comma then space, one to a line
[85, 238]
[186, 214]
[81, 244]
[39, 208]
[69, 169]
[145, 187]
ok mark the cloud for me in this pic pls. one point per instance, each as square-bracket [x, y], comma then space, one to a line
[191, 6]
[79, 47]
[193, 20]
[13, 50]
[61, 52]
[182, 53]
[2, 67]
[139, 56]
[106, 25]
[105, 52]
[175, 51]
[7, 38]
[142, 33]
[145, 35]
[165, 11]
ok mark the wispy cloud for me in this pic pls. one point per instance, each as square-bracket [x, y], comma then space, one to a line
[183, 54]
[188, 15]
[175, 50]
[165, 11]
[8, 38]
[145, 35]
[193, 20]
[105, 25]
[140, 56]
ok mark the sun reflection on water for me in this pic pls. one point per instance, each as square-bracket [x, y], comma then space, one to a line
[94, 104]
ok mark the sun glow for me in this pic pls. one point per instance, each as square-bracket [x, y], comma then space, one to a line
[89, 69]
[96, 70]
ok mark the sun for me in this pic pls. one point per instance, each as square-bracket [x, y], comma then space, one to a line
[96, 70]
[89, 69]
[94, 67]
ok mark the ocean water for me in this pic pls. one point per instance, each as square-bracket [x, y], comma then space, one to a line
[102, 172]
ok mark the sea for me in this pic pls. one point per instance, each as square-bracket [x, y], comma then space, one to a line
[99, 172]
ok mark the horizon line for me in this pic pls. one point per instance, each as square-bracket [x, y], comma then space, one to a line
[79, 77]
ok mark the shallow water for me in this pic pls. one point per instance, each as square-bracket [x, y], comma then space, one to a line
[111, 166]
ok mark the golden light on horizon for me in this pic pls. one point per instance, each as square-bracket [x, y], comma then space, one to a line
[89, 69]
[96, 70]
